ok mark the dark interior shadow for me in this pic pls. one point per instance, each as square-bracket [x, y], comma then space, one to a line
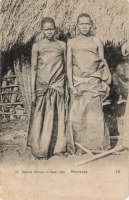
[112, 113]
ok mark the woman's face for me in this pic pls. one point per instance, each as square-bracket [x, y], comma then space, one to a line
[49, 30]
[84, 25]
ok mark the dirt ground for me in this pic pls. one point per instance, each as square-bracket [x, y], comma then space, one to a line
[22, 177]
[14, 150]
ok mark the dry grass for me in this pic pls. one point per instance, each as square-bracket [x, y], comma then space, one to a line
[21, 18]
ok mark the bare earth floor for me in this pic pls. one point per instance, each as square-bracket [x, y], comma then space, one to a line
[18, 168]
[13, 148]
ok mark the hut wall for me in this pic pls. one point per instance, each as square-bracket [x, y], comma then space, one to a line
[22, 69]
[20, 28]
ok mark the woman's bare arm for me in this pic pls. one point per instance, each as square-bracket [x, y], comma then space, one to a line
[70, 73]
[101, 54]
[34, 58]
[63, 44]
[69, 67]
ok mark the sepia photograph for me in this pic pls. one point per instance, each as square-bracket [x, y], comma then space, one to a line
[64, 102]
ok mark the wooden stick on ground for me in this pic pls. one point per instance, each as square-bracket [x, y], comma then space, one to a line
[84, 148]
[100, 155]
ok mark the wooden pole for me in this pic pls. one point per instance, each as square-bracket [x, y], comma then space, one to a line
[7, 113]
[105, 153]
[0, 70]
[84, 148]
[9, 86]
[0, 61]
[126, 124]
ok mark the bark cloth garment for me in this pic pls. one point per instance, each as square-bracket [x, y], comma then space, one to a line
[47, 129]
[86, 124]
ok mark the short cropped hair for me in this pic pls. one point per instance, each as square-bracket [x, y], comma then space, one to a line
[47, 20]
[83, 15]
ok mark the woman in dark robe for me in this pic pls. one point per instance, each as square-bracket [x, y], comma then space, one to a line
[47, 122]
[88, 76]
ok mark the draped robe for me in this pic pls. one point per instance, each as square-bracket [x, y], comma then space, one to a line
[86, 124]
[47, 126]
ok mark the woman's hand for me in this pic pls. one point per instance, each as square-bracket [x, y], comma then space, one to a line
[75, 92]
[33, 99]
[109, 80]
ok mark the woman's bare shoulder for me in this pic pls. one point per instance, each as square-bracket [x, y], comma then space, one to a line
[97, 40]
[71, 42]
[36, 46]
[62, 44]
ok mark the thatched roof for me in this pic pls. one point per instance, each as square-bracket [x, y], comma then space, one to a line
[21, 18]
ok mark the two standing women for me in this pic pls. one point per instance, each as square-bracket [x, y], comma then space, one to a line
[88, 78]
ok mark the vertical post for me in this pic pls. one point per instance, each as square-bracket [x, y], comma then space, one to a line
[0, 60]
[0, 53]
[0, 69]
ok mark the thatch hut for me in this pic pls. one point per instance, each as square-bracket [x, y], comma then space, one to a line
[20, 27]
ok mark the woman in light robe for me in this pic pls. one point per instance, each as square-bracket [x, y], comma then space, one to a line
[47, 122]
[88, 76]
